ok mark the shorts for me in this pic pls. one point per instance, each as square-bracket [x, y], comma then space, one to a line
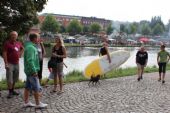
[162, 67]
[140, 65]
[12, 73]
[58, 70]
[32, 83]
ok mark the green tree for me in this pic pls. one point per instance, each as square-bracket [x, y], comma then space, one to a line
[158, 29]
[133, 28]
[122, 28]
[86, 29]
[50, 24]
[109, 29]
[62, 29]
[146, 30]
[95, 28]
[18, 15]
[74, 27]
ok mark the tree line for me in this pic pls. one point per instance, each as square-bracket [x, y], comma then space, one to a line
[154, 27]
[50, 24]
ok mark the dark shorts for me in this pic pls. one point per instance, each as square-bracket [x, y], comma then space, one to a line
[162, 67]
[32, 83]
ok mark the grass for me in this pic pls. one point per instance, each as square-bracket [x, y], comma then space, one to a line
[77, 76]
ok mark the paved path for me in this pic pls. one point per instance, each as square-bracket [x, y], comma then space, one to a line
[119, 95]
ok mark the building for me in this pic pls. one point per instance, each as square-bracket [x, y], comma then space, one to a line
[85, 21]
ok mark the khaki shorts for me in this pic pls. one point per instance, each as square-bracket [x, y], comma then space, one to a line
[140, 66]
[58, 70]
[12, 73]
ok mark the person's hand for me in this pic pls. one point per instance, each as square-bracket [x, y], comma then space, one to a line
[6, 66]
[35, 75]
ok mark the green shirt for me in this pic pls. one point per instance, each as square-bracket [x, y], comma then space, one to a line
[163, 55]
[31, 60]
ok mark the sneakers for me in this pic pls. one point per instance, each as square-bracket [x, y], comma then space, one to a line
[138, 79]
[163, 81]
[41, 105]
[29, 104]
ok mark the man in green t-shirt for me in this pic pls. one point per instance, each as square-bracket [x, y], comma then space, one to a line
[31, 68]
[162, 59]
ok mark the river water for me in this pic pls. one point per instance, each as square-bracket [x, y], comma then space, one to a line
[79, 57]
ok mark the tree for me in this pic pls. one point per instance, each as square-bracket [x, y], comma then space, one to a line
[146, 30]
[62, 29]
[109, 29]
[122, 28]
[95, 28]
[18, 15]
[158, 29]
[74, 27]
[86, 29]
[50, 24]
[133, 28]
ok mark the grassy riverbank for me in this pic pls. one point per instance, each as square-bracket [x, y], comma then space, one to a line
[76, 76]
[93, 45]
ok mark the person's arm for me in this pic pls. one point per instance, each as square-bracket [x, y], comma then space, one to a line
[168, 57]
[64, 53]
[30, 55]
[5, 58]
[108, 55]
[158, 58]
[53, 52]
[43, 49]
[136, 57]
[21, 50]
[146, 61]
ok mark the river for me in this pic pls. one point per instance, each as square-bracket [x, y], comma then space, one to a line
[79, 57]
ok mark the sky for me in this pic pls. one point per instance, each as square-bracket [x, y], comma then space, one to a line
[116, 10]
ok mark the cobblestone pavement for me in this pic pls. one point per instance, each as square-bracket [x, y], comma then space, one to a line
[118, 95]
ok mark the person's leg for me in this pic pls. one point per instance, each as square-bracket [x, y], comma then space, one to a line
[35, 85]
[142, 70]
[26, 95]
[160, 71]
[55, 79]
[60, 75]
[9, 78]
[61, 82]
[15, 78]
[139, 71]
[164, 71]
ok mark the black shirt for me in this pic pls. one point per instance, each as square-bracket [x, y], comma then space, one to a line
[141, 57]
[103, 51]
[58, 51]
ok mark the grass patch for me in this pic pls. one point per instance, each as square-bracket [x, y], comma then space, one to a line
[77, 76]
